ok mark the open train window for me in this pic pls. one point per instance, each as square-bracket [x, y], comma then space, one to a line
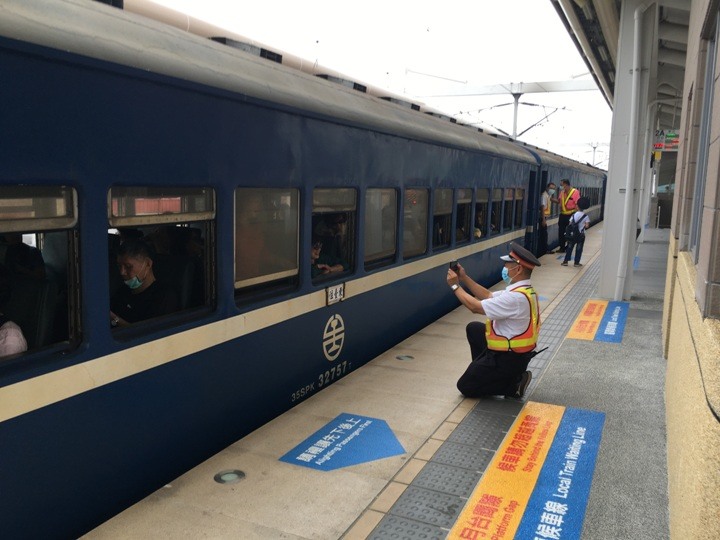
[442, 218]
[415, 222]
[481, 212]
[333, 232]
[463, 212]
[496, 212]
[164, 237]
[39, 274]
[519, 207]
[380, 227]
[266, 240]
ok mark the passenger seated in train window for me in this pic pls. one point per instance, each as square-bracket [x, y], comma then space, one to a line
[12, 340]
[331, 231]
[142, 297]
[22, 259]
[322, 263]
[479, 224]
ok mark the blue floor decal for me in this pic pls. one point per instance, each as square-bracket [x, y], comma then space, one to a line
[347, 440]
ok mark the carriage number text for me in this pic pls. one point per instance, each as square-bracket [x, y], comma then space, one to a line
[332, 374]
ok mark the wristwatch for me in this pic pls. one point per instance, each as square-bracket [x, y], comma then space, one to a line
[455, 287]
[115, 321]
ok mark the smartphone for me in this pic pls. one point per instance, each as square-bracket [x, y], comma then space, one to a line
[454, 266]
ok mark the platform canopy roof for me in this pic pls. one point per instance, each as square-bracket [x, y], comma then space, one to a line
[594, 26]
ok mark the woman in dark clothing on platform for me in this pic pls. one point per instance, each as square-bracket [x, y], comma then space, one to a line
[142, 297]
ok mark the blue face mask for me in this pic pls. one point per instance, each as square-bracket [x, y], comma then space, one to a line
[551, 191]
[506, 276]
[134, 282]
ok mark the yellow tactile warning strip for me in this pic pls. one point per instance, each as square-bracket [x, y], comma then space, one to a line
[365, 524]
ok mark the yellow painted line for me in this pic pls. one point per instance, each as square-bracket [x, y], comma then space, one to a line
[588, 320]
[496, 507]
[37, 392]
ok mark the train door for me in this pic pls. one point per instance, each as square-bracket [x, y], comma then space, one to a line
[533, 210]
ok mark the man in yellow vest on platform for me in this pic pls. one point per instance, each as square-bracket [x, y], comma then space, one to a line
[547, 197]
[568, 198]
[501, 348]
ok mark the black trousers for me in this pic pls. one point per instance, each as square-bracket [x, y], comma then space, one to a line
[542, 239]
[563, 221]
[490, 373]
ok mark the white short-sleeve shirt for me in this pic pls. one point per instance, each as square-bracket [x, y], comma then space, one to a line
[509, 310]
[582, 222]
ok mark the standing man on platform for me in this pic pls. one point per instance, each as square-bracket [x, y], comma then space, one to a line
[568, 205]
[501, 348]
[546, 198]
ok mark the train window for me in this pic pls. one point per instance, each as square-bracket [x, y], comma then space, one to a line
[496, 212]
[39, 278]
[333, 226]
[481, 212]
[380, 227]
[266, 239]
[174, 228]
[519, 200]
[508, 209]
[463, 212]
[442, 218]
[415, 222]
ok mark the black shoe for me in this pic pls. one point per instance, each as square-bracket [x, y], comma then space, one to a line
[577, 265]
[522, 386]
[564, 263]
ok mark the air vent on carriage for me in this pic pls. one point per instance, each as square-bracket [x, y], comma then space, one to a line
[442, 116]
[407, 104]
[252, 49]
[345, 82]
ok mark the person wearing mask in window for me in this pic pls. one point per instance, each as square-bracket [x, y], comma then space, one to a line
[501, 348]
[143, 297]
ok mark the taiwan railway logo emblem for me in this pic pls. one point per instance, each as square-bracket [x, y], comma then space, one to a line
[333, 337]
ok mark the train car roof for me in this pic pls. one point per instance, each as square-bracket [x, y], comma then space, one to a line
[545, 157]
[109, 34]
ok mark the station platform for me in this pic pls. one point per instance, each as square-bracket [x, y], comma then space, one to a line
[449, 441]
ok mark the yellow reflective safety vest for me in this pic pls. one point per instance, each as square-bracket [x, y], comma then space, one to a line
[524, 342]
[563, 203]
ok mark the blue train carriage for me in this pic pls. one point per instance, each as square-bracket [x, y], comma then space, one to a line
[232, 168]
[589, 180]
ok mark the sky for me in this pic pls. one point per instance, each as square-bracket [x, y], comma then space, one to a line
[418, 49]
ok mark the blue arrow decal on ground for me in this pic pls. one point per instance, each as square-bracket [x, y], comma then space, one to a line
[347, 440]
